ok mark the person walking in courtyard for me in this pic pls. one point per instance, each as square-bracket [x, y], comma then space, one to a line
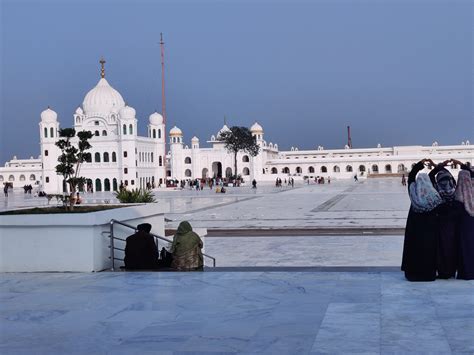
[5, 189]
[404, 181]
[448, 214]
[254, 184]
[419, 259]
[141, 252]
[355, 178]
[186, 249]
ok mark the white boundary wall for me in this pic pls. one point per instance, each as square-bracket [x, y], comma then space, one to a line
[69, 242]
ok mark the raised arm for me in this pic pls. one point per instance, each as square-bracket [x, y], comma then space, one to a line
[436, 170]
[416, 168]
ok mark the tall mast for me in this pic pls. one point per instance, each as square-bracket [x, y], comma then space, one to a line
[349, 140]
[163, 101]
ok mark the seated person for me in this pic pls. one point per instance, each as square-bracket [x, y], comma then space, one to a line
[141, 252]
[186, 249]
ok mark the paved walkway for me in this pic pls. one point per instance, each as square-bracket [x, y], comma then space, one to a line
[234, 312]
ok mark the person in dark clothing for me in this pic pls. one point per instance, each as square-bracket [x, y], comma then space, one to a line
[420, 244]
[448, 214]
[141, 252]
[465, 226]
[254, 184]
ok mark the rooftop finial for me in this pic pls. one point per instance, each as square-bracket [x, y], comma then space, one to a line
[102, 69]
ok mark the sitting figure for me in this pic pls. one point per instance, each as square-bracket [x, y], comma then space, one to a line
[186, 249]
[141, 252]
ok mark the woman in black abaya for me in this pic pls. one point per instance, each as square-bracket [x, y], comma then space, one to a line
[420, 244]
[465, 226]
[448, 214]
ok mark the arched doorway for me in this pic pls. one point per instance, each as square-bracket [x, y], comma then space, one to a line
[114, 184]
[205, 173]
[98, 185]
[106, 185]
[217, 169]
[228, 172]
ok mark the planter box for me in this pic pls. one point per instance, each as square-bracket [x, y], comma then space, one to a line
[69, 242]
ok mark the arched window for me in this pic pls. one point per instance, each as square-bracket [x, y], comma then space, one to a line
[45, 132]
[114, 157]
[160, 160]
[349, 168]
[362, 168]
[187, 160]
[22, 177]
[130, 129]
[246, 171]
[97, 157]
[11, 178]
[159, 133]
[401, 168]
[106, 185]
[324, 169]
[32, 177]
[375, 168]
[311, 170]
[298, 170]
[98, 185]
[114, 185]
[274, 170]
[104, 132]
[245, 159]
[106, 160]
[51, 132]
[96, 133]
[187, 173]
[124, 129]
[336, 169]
[154, 133]
[1, 177]
[286, 170]
[388, 168]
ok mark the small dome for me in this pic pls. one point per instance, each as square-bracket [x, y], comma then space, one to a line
[49, 116]
[195, 139]
[79, 111]
[256, 128]
[127, 112]
[103, 98]
[156, 119]
[223, 129]
[175, 131]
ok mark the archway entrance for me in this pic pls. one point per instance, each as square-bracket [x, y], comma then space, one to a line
[228, 172]
[205, 173]
[217, 169]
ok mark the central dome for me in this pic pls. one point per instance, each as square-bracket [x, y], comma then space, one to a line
[103, 98]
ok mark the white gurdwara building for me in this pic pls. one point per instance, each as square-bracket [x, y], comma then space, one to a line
[120, 155]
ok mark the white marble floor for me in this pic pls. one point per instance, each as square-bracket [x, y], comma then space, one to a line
[332, 250]
[234, 312]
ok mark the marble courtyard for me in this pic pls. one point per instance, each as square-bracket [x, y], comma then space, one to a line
[312, 269]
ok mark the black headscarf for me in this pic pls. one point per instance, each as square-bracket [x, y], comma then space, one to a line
[445, 185]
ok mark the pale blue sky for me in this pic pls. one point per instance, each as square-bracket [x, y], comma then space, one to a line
[398, 72]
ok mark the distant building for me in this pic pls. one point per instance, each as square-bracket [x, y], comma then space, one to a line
[120, 155]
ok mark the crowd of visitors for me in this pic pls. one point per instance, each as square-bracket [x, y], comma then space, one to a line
[439, 234]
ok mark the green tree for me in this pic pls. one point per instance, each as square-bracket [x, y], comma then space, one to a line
[239, 139]
[71, 159]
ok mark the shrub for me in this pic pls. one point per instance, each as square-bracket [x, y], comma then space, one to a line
[135, 196]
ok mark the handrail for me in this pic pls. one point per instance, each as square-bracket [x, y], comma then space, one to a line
[112, 237]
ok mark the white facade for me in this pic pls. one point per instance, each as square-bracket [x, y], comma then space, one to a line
[120, 155]
[196, 162]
